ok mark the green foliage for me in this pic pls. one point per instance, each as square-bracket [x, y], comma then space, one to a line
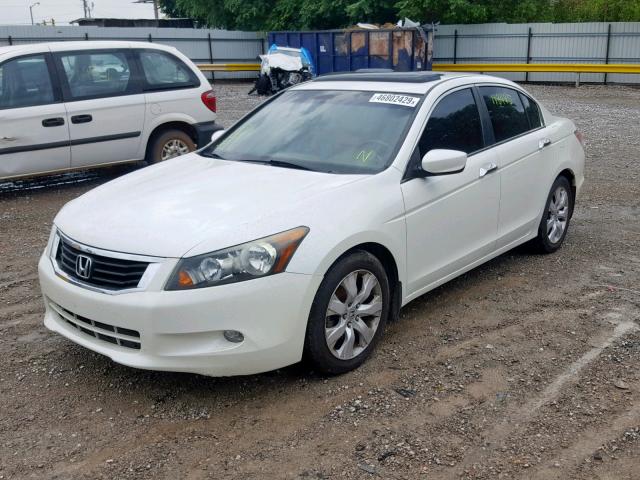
[265, 15]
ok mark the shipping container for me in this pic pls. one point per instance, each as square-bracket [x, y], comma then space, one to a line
[400, 49]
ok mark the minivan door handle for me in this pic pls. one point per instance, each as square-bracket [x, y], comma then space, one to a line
[81, 119]
[545, 142]
[53, 122]
[488, 168]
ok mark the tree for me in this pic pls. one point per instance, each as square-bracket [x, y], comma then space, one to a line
[265, 15]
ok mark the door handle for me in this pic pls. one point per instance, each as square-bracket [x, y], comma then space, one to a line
[53, 122]
[545, 142]
[81, 119]
[8, 139]
[488, 168]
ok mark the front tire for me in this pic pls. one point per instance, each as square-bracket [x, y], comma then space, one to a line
[170, 144]
[348, 314]
[555, 220]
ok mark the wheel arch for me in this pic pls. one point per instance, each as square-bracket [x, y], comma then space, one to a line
[571, 177]
[181, 125]
[388, 260]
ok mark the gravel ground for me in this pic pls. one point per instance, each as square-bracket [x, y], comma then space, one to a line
[527, 367]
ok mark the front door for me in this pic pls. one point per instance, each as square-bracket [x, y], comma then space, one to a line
[105, 104]
[451, 219]
[34, 133]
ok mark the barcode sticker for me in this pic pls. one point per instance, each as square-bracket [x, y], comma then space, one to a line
[393, 99]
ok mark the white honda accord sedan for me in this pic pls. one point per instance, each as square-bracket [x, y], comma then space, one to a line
[302, 230]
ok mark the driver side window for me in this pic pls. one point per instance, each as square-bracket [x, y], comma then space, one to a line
[454, 124]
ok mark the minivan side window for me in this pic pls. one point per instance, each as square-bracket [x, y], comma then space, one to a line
[25, 82]
[533, 112]
[454, 124]
[93, 74]
[165, 71]
[507, 113]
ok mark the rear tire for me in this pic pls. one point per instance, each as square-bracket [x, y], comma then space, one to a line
[170, 144]
[348, 315]
[554, 225]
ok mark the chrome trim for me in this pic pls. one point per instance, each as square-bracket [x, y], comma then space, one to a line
[151, 270]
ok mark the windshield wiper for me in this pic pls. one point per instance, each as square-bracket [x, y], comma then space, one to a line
[213, 155]
[282, 163]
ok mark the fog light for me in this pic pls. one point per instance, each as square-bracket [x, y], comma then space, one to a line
[233, 336]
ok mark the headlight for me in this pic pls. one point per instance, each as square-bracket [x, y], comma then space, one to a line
[259, 258]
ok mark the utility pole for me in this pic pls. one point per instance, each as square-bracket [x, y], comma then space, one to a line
[156, 8]
[31, 10]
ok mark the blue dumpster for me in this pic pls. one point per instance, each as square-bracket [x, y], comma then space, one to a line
[402, 49]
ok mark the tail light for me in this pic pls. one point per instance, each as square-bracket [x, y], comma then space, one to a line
[579, 136]
[209, 100]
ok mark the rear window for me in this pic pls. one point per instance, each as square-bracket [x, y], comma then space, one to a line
[533, 112]
[507, 113]
[164, 71]
[25, 82]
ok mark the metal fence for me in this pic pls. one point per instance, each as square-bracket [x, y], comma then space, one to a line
[486, 43]
[200, 45]
[542, 43]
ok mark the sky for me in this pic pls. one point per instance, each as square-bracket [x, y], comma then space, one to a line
[16, 12]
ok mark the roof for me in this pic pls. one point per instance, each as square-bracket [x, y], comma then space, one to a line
[28, 48]
[396, 82]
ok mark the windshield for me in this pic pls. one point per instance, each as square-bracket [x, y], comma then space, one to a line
[322, 130]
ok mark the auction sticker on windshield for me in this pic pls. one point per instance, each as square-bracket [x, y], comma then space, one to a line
[392, 99]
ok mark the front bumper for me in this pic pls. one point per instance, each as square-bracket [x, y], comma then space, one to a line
[183, 330]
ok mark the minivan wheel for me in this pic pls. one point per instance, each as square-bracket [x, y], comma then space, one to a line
[170, 144]
[348, 314]
[555, 220]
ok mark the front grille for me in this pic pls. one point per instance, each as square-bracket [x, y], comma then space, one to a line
[124, 337]
[105, 272]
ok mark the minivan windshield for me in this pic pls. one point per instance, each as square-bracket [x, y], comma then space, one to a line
[322, 130]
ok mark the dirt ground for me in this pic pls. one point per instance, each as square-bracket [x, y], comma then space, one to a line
[525, 368]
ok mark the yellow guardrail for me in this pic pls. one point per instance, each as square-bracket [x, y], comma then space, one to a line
[538, 67]
[471, 67]
[229, 67]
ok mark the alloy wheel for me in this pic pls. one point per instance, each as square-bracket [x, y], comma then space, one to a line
[558, 214]
[174, 148]
[353, 314]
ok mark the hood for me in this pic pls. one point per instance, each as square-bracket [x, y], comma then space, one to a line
[169, 209]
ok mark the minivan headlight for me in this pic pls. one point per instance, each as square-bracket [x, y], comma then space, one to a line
[258, 258]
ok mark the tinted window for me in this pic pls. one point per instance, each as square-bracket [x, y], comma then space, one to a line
[162, 70]
[453, 125]
[25, 82]
[506, 111]
[533, 112]
[96, 74]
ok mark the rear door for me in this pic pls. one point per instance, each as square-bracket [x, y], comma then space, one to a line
[522, 147]
[34, 133]
[105, 105]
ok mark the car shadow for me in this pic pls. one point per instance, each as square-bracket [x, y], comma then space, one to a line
[67, 180]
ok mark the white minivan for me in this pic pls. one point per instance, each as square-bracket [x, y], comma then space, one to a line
[76, 105]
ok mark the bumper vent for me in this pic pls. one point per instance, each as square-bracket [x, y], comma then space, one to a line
[97, 270]
[123, 337]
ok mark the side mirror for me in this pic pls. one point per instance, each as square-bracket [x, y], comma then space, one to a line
[444, 162]
[216, 135]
